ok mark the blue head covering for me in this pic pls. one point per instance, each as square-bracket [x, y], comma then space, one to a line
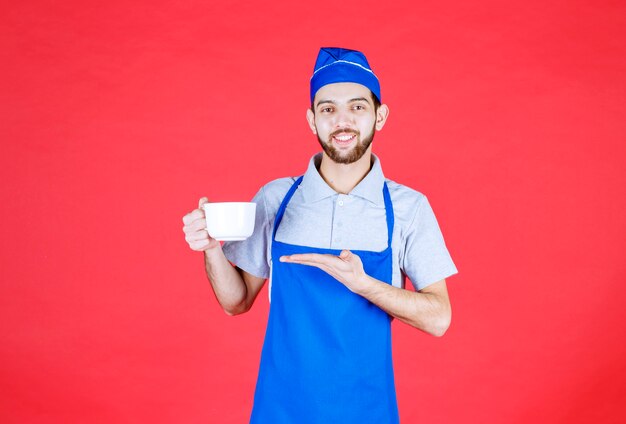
[335, 64]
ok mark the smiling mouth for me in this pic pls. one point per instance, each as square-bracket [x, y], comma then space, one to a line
[344, 138]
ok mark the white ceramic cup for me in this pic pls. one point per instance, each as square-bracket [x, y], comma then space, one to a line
[229, 221]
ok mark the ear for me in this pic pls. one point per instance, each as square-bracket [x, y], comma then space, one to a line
[310, 117]
[381, 116]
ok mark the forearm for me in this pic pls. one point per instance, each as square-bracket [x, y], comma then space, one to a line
[424, 311]
[228, 285]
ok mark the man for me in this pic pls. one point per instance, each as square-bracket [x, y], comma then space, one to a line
[336, 245]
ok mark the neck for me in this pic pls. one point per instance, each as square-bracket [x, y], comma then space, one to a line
[344, 177]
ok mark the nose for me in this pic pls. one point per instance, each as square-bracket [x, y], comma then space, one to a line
[343, 119]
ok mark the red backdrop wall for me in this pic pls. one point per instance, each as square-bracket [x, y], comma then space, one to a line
[117, 117]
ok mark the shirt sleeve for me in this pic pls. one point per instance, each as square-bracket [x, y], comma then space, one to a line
[251, 254]
[426, 259]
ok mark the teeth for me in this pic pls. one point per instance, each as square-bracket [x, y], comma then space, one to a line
[344, 137]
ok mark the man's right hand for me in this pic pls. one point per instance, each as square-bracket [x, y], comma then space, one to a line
[195, 230]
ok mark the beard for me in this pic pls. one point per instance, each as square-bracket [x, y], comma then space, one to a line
[351, 155]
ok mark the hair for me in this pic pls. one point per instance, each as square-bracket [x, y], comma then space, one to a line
[374, 98]
[376, 102]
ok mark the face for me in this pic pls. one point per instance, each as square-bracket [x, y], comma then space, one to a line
[344, 120]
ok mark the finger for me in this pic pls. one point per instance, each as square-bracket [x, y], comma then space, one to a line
[199, 235]
[192, 216]
[326, 267]
[187, 218]
[320, 265]
[348, 256]
[195, 226]
[312, 257]
[326, 260]
[202, 201]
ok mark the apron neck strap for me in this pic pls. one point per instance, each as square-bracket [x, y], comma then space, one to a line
[283, 205]
[294, 187]
[388, 213]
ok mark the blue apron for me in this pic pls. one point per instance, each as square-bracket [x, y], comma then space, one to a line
[327, 351]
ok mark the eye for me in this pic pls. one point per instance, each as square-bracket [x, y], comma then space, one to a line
[327, 109]
[359, 107]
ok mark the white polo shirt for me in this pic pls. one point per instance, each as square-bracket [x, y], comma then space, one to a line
[317, 216]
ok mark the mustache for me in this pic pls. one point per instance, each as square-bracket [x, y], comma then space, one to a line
[345, 131]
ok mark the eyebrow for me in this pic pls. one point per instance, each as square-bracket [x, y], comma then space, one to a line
[356, 99]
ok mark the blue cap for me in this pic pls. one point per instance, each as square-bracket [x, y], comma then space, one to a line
[335, 64]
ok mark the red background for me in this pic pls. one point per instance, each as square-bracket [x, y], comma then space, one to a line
[117, 117]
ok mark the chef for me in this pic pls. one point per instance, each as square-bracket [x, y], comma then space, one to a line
[336, 244]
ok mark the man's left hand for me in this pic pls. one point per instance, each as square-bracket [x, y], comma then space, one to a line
[347, 268]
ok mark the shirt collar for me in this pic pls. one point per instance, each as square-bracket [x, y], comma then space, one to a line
[314, 187]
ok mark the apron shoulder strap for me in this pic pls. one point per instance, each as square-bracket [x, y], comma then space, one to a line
[388, 213]
[283, 205]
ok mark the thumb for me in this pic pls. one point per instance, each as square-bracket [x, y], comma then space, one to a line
[202, 201]
[346, 255]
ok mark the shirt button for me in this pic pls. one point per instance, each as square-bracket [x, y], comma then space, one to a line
[341, 203]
